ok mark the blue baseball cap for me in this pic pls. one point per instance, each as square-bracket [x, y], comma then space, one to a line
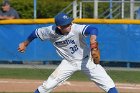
[62, 19]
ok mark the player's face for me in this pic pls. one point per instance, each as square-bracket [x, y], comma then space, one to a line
[6, 7]
[65, 29]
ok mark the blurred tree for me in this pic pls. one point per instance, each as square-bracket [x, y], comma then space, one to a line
[45, 8]
[49, 8]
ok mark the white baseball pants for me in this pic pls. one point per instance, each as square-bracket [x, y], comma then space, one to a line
[96, 73]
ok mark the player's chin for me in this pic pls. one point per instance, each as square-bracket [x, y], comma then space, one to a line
[68, 31]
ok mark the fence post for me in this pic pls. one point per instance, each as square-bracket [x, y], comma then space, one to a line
[128, 64]
[95, 9]
[110, 15]
[122, 9]
[75, 9]
[80, 12]
[132, 9]
[35, 9]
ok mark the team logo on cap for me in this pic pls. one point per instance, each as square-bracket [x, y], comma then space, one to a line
[65, 17]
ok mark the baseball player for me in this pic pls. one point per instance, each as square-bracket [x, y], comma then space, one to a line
[69, 41]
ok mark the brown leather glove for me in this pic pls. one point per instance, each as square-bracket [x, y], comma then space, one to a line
[95, 53]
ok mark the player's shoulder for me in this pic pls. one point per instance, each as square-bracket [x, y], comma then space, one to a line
[79, 26]
[48, 28]
[75, 24]
[51, 27]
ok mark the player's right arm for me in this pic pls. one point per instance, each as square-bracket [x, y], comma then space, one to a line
[42, 33]
[24, 44]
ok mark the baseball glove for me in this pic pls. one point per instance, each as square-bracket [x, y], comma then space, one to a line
[95, 53]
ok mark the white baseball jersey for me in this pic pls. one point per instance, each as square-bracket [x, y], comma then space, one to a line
[71, 46]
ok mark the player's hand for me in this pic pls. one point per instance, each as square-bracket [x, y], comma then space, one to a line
[22, 46]
[95, 53]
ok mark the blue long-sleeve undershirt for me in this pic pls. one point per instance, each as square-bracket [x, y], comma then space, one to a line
[91, 30]
[32, 36]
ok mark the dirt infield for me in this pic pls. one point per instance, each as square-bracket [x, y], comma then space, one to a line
[22, 85]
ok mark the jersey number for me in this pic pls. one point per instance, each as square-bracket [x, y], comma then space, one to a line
[74, 49]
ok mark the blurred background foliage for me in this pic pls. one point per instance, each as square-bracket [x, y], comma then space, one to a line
[47, 8]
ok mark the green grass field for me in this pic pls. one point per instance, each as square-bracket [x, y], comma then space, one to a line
[42, 74]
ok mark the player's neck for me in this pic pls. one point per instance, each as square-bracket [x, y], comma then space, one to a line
[60, 32]
[64, 32]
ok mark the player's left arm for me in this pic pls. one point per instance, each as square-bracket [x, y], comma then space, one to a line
[93, 32]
